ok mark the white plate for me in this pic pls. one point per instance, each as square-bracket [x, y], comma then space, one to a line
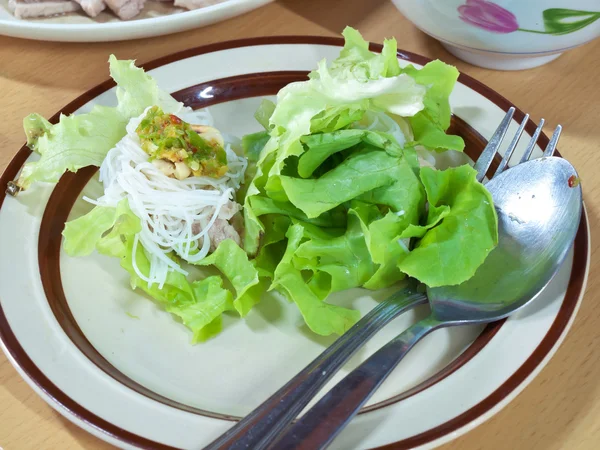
[156, 19]
[66, 323]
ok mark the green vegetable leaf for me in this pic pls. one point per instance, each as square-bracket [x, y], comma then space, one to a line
[82, 234]
[321, 146]
[337, 199]
[430, 125]
[136, 90]
[233, 262]
[264, 205]
[440, 79]
[76, 141]
[345, 258]
[201, 311]
[336, 118]
[253, 144]
[264, 113]
[273, 244]
[397, 95]
[362, 172]
[389, 55]
[429, 134]
[450, 252]
[321, 317]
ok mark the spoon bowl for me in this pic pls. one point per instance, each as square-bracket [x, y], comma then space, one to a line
[539, 206]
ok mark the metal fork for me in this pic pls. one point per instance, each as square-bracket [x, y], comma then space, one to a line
[265, 424]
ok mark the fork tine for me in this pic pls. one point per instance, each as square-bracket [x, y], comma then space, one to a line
[511, 147]
[532, 142]
[490, 150]
[551, 147]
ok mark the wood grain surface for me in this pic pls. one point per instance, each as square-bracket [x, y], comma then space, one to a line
[560, 409]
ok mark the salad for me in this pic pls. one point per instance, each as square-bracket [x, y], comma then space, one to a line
[341, 189]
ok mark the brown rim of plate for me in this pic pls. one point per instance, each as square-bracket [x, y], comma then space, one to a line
[68, 191]
[574, 290]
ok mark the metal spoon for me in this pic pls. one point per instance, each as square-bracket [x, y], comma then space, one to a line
[539, 208]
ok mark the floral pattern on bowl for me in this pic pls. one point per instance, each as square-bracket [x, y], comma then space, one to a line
[492, 17]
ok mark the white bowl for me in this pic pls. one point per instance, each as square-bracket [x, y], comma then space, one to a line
[506, 34]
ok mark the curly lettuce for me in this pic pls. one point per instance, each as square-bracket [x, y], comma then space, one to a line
[335, 203]
[82, 140]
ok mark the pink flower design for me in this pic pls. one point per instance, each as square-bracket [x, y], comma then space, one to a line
[489, 16]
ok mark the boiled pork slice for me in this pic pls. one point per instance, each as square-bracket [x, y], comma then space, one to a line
[126, 9]
[27, 10]
[195, 4]
[92, 7]
[225, 226]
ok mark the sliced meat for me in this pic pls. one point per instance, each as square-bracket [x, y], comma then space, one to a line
[229, 209]
[195, 4]
[125, 9]
[228, 225]
[92, 7]
[220, 231]
[23, 10]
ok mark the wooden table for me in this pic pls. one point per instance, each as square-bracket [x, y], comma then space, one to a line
[560, 409]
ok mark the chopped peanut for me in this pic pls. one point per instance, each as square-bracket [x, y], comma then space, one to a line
[182, 171]
[166, 167]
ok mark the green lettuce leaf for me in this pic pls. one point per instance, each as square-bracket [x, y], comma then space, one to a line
[399, 94]
[233, 262]
[198, 304]
[356, 82]
[345, 258]
[201, 309]
[336, 118]
[82, 234]
[264, 205]
[136, 90]
[76, 141]
[253, 144]
[264, 113]
[429, 134]
[336, 201]
[82, 140]
[362, 172]
[465, 231]
[429, 126]
[321, 317]
[382, 239]
[273, 245]
[321, 146]
[357, 61]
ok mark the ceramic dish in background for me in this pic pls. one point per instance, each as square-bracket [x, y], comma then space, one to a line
[156, 19]
[116, 365]
[506, 34]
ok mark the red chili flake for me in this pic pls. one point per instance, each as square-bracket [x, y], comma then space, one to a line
[573, 181]
[175, 119]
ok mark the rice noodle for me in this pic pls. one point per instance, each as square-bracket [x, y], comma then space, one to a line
[167, 207]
